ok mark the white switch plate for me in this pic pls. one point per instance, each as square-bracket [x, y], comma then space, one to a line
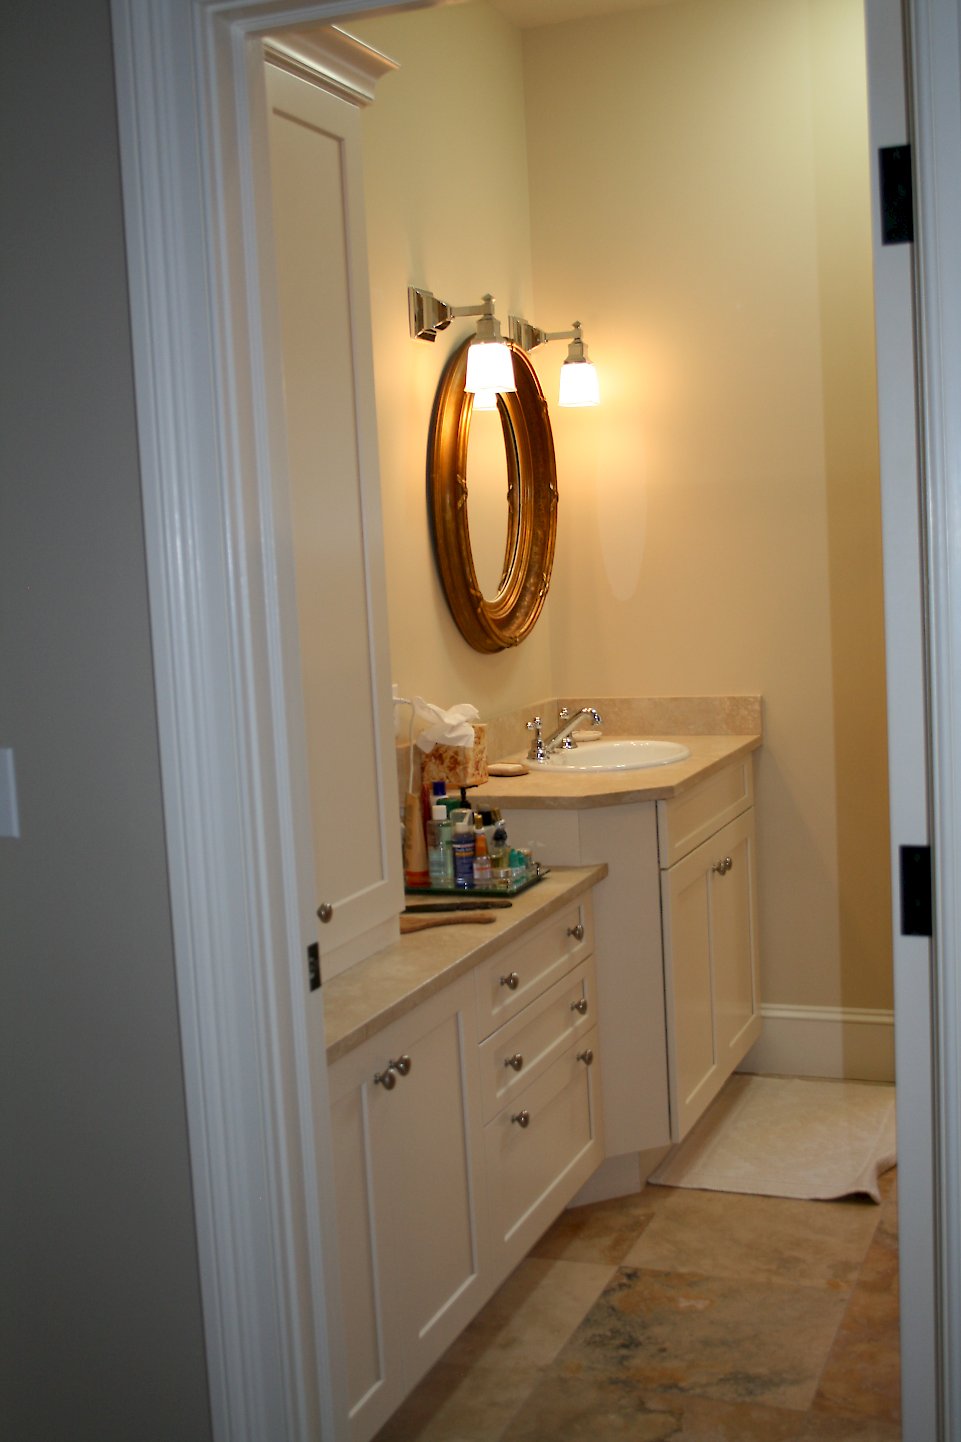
[9, 820]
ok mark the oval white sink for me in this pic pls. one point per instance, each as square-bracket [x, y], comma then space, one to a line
[617, 755]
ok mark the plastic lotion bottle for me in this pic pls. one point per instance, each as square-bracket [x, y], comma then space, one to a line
[482, 860]
[463, 855]
[440, 857]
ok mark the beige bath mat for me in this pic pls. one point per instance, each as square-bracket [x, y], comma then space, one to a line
[788, 1137]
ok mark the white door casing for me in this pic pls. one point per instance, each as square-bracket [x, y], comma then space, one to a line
[192, 141]
[907, 720]
[193, 132]
[934, 66]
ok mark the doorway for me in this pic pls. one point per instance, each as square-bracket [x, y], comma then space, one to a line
[161, 182]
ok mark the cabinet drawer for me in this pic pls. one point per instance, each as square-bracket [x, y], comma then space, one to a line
[535, 1169]
[519, 973]
[526, 1045]
[683, 822]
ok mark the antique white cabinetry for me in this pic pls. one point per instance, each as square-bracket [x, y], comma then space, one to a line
[333, 527]
[413, 1240]
[460, 1131]
[709, 918]
[677, 974]
[540, 1079]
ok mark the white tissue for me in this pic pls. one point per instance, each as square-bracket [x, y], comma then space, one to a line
[440, 727]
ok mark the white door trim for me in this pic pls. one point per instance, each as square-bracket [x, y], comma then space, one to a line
[935, 41]
[894, 286]
[189, 81]
[261, 1170]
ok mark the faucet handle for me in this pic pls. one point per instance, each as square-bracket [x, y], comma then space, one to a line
[537, 752]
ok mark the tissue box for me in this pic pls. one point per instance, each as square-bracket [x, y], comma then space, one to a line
[457, 766]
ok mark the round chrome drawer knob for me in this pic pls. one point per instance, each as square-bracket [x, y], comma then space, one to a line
[585, 1056]
[516, 1061]
[385, 1079]
[325, 911]
[511, 980]
[576, 931]
[401, 1065]
[580, 1005]
[523, 1119]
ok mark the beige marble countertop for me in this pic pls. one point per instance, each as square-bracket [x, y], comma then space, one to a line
[367, 997]
[543, 788]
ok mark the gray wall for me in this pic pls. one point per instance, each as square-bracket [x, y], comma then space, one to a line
[100, 1297]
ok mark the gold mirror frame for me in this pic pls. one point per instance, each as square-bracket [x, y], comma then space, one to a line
[494, 625]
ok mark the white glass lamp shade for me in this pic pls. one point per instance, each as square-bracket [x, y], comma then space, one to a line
[489, 367]
[579, 384]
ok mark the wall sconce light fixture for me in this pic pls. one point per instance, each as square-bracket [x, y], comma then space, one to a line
[578, 385]
[489, 365]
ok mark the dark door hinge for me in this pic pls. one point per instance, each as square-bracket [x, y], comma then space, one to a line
[916, 908]
[313, 966]
[897, 195]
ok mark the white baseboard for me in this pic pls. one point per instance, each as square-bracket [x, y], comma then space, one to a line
[824, 1041]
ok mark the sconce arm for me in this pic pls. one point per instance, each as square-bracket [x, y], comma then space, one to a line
[529, 336]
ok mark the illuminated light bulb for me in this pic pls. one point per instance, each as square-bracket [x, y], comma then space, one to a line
[489, 367]
[579, 384]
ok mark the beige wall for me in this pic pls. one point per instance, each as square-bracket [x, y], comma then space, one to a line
[726, 513]
[447, 210]
[698, 197]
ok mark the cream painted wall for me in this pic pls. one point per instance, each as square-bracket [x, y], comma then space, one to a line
[447, 210]
[698, 197]
[704, 205]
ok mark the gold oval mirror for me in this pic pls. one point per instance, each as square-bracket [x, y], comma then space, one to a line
[505, 618]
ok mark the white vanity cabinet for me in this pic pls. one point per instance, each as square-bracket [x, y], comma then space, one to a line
[709, 919]
[460, 1131]
[413, 1239]
[677, 970]
[540, 1079]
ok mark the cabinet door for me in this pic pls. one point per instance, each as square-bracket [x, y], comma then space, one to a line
[411, 1211]
[737, 1016]
[710, 967]
[375, 1383]
[432, 1130]
[334, 514]
[688, 984]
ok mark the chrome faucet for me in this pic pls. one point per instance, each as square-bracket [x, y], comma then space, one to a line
[562, 738]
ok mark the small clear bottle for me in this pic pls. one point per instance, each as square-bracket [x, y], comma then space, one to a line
[482, 860]
[440, 855]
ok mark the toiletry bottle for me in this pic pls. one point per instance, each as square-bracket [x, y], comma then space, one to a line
[440, 857]
[416, 869]
[499, 849]
[463, 845]
[518, 867]
[482, 860]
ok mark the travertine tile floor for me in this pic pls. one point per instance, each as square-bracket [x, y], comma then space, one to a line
[682, 1315]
